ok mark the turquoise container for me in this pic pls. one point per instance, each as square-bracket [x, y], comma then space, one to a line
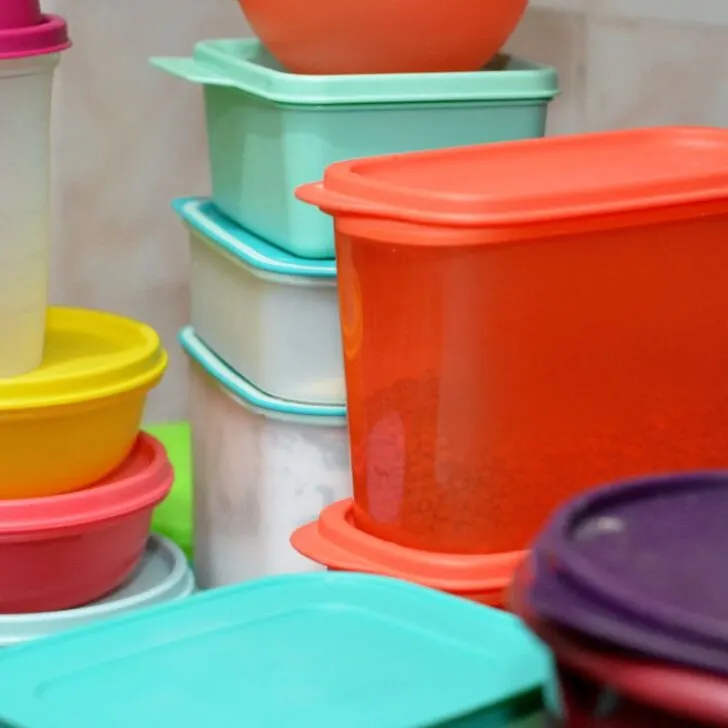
[270, 131]
[315, 650]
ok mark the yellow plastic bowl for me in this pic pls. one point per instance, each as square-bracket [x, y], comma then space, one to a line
[75, 419]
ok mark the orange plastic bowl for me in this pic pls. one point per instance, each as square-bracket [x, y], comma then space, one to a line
[381, 36]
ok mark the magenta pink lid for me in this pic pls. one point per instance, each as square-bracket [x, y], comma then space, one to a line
[25, 31]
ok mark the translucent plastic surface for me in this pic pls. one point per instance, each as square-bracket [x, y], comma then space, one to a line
[257, 478]
[488, 383]
[25, 100]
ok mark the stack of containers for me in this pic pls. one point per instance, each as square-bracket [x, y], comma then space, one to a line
[518, 327]
[268, 393]
[627, 587]
[77, 482]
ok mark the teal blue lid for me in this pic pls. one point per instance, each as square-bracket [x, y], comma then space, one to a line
[320, 650]
[242, 389]
[202, 217]
[245, 65]
[162, 575]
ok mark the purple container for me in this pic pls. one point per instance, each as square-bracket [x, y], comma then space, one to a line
[642, 565]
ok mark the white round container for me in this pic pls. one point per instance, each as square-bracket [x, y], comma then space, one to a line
[271, 316]
[25, 107]
[262, 467]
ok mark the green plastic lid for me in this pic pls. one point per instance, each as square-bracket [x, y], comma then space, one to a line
[247, 66]
[163, 575]
[173, 517]
[320, 650]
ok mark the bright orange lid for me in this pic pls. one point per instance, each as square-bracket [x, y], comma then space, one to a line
[536, 180]
[336, 542]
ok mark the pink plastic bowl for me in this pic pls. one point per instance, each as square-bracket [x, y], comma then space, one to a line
[68, 550]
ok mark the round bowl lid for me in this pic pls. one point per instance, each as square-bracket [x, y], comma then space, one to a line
[697, 695]
[25, 31]
[651, 548]
[336, 542]
[141, 481]
[88, 355]
[162, 576]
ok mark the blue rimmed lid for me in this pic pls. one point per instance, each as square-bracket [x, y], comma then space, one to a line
[324, 650]
[163, 575]
[201, 216]
[243, 389]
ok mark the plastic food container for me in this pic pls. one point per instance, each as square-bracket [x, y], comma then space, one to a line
[335, 541]
[339, 649]
[262, 467]
[270, 131]
[512, 318]
[270, 316]
[599, 687]
[161, 576]
[619, 565]
[30, 44]
[68, 550]
[81, 408]
[332, 37]
[173, 517]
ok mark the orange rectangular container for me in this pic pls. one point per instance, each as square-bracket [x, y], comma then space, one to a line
[525, 320]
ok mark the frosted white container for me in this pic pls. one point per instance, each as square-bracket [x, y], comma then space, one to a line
[271, 316]
[25, 106]
[262, 467]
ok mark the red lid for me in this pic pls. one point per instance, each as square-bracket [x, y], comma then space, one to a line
[336, 542]
[142, 481]
[25, 31]
[536, 180]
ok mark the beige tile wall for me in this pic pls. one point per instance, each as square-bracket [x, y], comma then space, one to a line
[128, 138]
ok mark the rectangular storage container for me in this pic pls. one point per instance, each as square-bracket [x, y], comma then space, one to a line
[272, 317]
[262, 467]
[270, 131]
[304, 651]
[539, 316]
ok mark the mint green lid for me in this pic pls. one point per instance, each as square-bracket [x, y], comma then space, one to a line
[247, 66]
[318, 650]
[163, 575]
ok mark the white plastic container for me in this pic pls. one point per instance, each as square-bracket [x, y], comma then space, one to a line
[29, 54]
[262, 467]
[271, 316]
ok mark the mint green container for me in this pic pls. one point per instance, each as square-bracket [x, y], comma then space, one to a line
[270, 131]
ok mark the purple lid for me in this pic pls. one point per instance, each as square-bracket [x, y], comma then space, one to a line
[554, 597]
[25, 31]
[650, 551]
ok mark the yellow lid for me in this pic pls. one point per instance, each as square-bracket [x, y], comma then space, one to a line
[88, 355]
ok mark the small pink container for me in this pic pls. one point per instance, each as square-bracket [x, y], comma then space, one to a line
[68, 550]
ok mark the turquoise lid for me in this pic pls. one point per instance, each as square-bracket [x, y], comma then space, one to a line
[320, 650]
[245, 65]
[202, 217]
[162, 576]
[241, 388]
